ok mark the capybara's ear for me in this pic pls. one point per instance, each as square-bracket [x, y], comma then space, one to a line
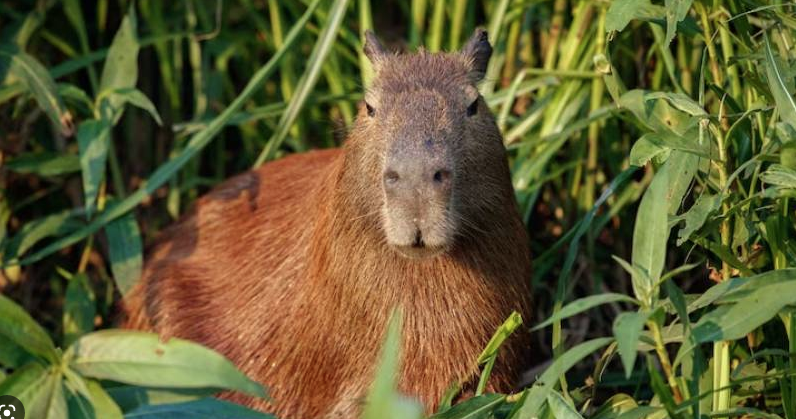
[477, 52]
[373, 48]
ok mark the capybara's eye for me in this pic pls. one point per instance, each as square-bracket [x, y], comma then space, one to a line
[473, 108]
[370, 109]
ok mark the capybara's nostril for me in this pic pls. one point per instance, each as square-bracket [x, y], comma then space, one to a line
[442, 176]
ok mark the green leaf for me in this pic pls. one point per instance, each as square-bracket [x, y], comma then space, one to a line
[537, 394]
[44, 164]
[583, 304]
[650, 234]
[504, 331]
[663, 112]
[34, 231]
[121, 64]
[24, 382]
[696, 216]
[98, 405]
[136, 98]
[779, 176]
[621, 12]
[481, 407]
[384, 401]
[93, 137]
[651, 231]
[627, 331]
[781, 84]
[36, 80]
[140, 358]
[125, 251]
[561, 408]
[736, 320]
[80, 307]
[676, 11]
[12, 355]
[17, 326]
[132, 397]
[644, 150]
[41, 391]
[652, 144]
[198, 409]
[678, 100]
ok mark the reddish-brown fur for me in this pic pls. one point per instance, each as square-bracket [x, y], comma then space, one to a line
[286, 271]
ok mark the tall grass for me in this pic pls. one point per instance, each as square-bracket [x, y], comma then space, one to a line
[652, 155]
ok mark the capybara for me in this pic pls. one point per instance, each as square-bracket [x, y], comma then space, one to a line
[292, 270]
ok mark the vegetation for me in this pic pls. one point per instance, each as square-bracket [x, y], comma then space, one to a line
[651, 145]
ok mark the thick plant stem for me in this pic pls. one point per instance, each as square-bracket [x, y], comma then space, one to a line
[721, 350]
[666, 364]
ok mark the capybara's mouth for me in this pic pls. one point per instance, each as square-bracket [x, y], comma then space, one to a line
[419, 250]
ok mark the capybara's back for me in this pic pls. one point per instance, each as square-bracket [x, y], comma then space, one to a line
[293, 270]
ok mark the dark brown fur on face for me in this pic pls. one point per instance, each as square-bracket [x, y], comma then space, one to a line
[292, 270]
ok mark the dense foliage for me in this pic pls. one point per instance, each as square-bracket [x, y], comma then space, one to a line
[653, 152]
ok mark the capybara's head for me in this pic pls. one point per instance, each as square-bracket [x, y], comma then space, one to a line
[438, 151]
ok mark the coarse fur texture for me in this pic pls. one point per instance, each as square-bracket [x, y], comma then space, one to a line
[291, 270]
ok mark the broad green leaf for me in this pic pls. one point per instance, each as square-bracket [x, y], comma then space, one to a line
[627, 331]
[644, 150]
[48, 400]
[39, 389]
[140, 358]
[17, 326]
[560, 408]
[676, 10]
[80, 307]
[121, 64]
[652, 144]
[583, 304]
[733, 321]
[384, 401]
[651, 231]
[44, 163]
[679, 100]
[93, 138]
[781, 84]
[661, 112]
[779, 176]
[99, 405]
[504, 331]
[537, 394]
[12, 356]
[36, 80]
[481, 407]
[132, 397]
[308, 79]
[136, 98]
[24, 382]
[650, 234]
[745, 286]
[621, 12]
[736, 320]
[696, 216]
[125, 251]
[198, 409]
[195, 144]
